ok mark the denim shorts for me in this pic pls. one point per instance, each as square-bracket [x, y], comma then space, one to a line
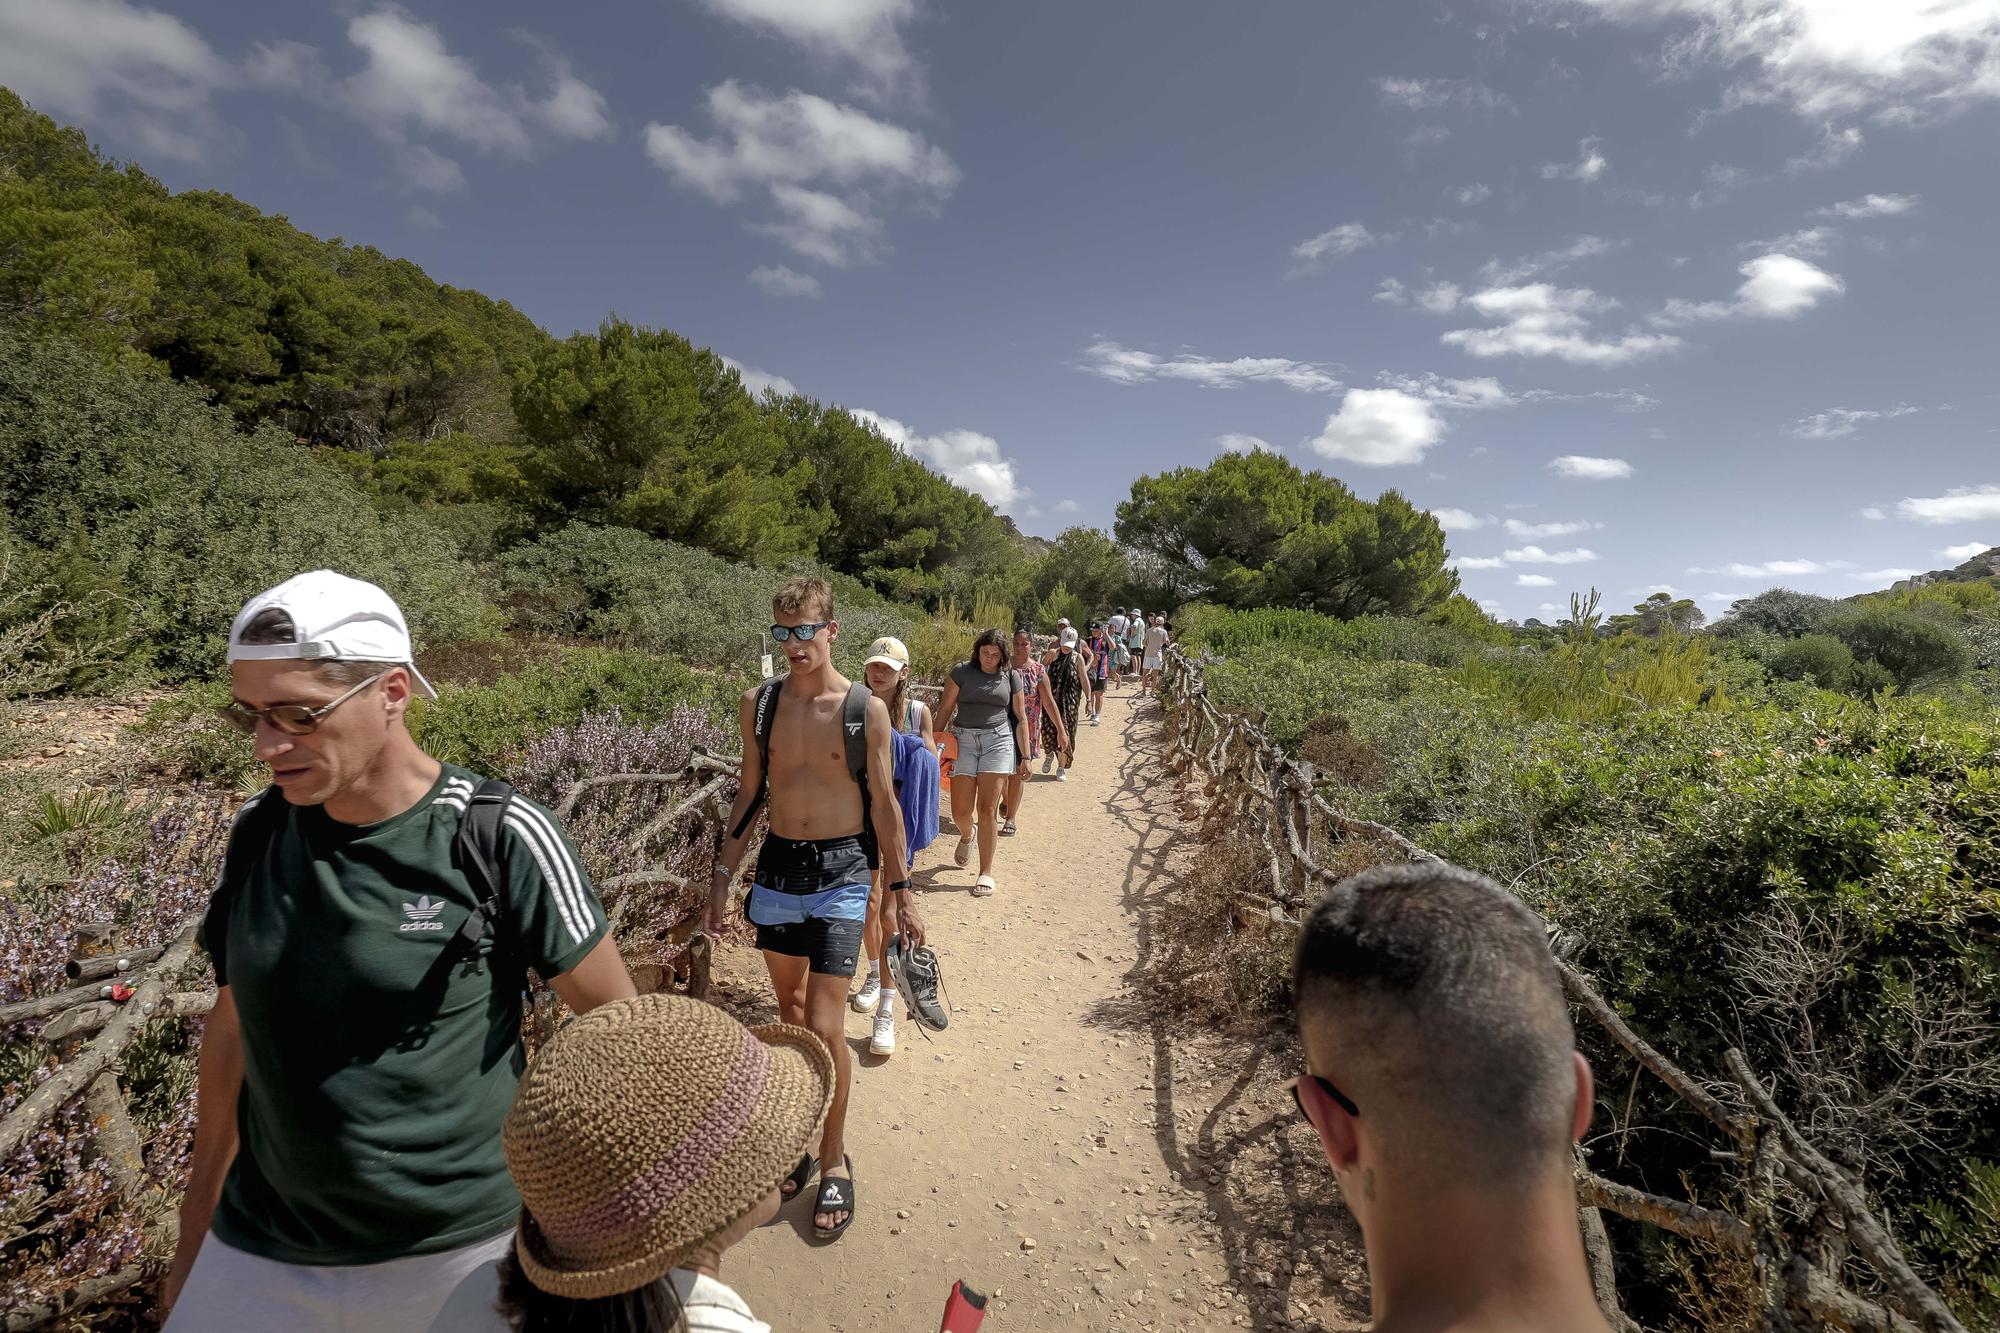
[984, 750]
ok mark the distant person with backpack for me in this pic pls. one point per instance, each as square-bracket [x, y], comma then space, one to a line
[371, 931]
[820, 749]
[1114, 630]
[887, 671]
[1135, 644]
[984, 706]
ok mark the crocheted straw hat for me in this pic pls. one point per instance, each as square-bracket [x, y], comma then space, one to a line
[645, 1127]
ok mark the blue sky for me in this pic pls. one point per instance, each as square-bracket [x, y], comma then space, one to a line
[1694, 294]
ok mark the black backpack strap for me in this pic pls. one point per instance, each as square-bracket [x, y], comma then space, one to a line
[478, 851]
[854, 728]
[764, 713]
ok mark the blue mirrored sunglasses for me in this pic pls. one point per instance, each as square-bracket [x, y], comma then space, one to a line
[803, 633]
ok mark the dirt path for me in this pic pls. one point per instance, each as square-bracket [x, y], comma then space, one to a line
[1055, 1147]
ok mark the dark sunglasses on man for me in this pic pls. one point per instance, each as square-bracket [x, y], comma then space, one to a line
[292, 719]
[1326, 1086]
[803, 633]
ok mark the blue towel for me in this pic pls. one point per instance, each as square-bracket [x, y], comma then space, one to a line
[917, 790]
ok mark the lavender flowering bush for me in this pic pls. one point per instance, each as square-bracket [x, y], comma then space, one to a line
[607, 821]
[61, 1221]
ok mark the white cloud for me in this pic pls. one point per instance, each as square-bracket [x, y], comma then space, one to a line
[1774, 287]
[1534, 581]
[1467, 195]
[1813, 242]
[1492, 607]
[1234, 443]
[863, 33]
[1380, 428]
[1480, 391]
[84, 59]
[1589, 165]
[800, 149]
[573, 109]
[427, 170]
[1885, 575]
[1126, 365]
[1838, 421]
[966, 457]
[1967, 550]
[1437, 94]
[411, 81]
[1724, 596]
[1835, 146]
[783, 281]
[1497, 274]
[1067, 506]
[757, 381]
[1827, 58]
[1871, 206]
[1439, 298]
[1459, 520]
[1961, 504]
[1337, 243]
[1584, 468]
[1516, 528]
[1667, 588]
[1543, 320]
[1548, 606]
[1774, 568]
[1873, 513]
[1479, 562]
[1535, 555]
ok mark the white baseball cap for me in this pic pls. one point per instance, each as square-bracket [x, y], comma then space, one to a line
[889, 651]
[334, 619]
[1063, 621]
[1068, 638]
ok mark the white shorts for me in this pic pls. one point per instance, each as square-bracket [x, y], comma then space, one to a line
[1154, 663]
[984, 750]
[231, 1291]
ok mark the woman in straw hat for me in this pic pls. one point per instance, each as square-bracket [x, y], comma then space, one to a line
[648, 1137]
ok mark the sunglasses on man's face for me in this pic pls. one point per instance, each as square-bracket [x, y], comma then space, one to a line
[803, 633]
[1340, 1098]
[292, 719]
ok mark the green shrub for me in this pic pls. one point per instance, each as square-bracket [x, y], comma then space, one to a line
[1915, 650]
[186, 740]
[1377, 638]
[486, 727]
[147, 489]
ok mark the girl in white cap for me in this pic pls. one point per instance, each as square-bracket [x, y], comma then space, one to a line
[887, 672]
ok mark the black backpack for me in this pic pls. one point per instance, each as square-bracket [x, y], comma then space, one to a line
[476, 851]
[854, 731]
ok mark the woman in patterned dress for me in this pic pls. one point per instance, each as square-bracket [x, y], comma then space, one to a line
[1040, 703]
[1063, 676]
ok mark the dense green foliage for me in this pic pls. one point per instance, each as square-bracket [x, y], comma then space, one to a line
[1253, 530]
[1826, 864]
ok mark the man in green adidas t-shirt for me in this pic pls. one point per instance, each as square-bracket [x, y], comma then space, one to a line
[347, 1165]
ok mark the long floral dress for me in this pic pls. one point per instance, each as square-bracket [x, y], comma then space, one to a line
[1031, 691]
[1066, 684]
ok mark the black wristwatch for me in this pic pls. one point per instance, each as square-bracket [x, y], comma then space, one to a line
[900, 886]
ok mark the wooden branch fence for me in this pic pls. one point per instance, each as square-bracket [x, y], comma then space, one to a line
[1255, 791]
[90, 1026]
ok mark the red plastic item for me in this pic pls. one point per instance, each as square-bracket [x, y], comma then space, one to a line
[121, 993]
[964, 1312]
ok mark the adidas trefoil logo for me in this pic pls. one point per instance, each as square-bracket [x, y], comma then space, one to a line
[422, 914]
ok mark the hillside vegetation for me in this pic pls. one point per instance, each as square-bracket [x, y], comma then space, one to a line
[1740, 856]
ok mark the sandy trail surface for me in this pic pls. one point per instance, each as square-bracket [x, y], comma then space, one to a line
[1036, 1149]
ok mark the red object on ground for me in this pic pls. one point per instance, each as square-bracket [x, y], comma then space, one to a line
[121, 993]
[964, 1312]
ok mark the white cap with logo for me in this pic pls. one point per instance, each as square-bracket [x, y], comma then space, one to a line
[1068, 639]
[889, 651]
[334, 619]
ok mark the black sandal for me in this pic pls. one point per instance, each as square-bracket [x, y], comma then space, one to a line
[836, 1195]
[789, 1187]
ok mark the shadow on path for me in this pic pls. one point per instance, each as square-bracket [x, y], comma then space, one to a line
[1288, 1240]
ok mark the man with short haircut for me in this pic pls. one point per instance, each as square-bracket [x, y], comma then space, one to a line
[1115, 630]
[1445, 1086]
[366, 1035]
[828, 832]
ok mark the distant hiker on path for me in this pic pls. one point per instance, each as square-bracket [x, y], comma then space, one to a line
[1100, 647]
[1040, 702]
[1445, 1085]
[984, 707]
[609, 1242]
[1065, 665]
[1114, 630]
[1156, 653]
[819, 748]
[366, 1035]
[1135, 643]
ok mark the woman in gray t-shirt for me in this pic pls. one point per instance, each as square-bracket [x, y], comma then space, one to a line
[984, 710]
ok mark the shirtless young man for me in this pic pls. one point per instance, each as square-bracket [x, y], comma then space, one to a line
[810, 897]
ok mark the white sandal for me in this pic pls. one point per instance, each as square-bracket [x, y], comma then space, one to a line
[983, 887]
[962, 857]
